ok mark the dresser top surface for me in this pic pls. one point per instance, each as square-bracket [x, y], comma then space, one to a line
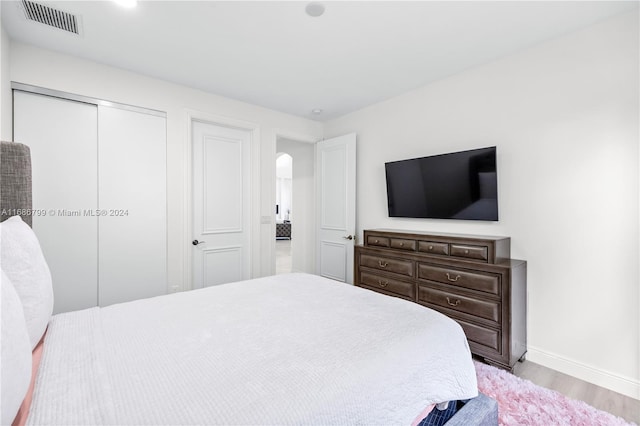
[436, 234]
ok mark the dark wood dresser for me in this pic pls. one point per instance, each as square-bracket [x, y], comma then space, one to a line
[469, 278]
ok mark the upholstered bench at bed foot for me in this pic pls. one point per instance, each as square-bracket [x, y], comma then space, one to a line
[479, 411]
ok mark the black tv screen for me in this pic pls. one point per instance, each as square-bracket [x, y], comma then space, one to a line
[459, 185]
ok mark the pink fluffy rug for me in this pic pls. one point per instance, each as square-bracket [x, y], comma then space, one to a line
[521, 402]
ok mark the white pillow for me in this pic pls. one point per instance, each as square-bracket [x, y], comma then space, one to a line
[22, 260]
[15, 352]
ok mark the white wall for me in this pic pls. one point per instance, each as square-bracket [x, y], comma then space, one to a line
[564, 118]
[31, 65]
[303, 219]
[6, 112]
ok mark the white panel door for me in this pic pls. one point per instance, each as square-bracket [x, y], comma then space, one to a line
[62, 135]
[132, 205]
[221, 204]
[336, 200]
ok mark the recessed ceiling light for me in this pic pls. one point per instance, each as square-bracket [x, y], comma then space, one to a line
[129, 4]
[315, 9]
[316, 111]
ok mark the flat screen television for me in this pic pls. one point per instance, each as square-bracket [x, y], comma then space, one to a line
[459, 185]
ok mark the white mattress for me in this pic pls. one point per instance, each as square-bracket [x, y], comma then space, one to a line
[288, 349]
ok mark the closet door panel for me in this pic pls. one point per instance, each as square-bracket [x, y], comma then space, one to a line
[62, 136]
[132, 203]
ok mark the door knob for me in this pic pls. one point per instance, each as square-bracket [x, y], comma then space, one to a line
[196, 242]
[348, 237]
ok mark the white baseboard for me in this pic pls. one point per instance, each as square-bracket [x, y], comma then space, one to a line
[615, 382]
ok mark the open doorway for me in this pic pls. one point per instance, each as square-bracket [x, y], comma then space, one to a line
[284, 208]
[295, 208]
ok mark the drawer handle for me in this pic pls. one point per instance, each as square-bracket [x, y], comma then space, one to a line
[453, 304]
[430, 247]
[466, 252]
[401, 244]
[382, 264]
[457, 277]
[383, 283]
[376, 241]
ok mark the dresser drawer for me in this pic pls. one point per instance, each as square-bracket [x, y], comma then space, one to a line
[377, 241]
[376, 282]
[397, 266]
[488, 283]
[433, 247]
[403, 244]
[481, 335]
[475, 307]
[470, 252]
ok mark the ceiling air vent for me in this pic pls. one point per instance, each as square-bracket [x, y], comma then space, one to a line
[49, 16]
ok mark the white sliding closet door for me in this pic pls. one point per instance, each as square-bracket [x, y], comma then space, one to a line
[99, 194]
[132, 199]
[62, 136]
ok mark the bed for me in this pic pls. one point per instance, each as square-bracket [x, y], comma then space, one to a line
[288, 349]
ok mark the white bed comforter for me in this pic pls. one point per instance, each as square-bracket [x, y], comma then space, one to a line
[288, 349]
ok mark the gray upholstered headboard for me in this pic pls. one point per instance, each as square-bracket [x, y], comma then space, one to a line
[15, 181]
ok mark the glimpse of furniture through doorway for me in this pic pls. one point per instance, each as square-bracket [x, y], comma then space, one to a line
[294, 224]
[284, 202]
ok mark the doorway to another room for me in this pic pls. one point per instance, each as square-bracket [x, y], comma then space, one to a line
[284, 198]
[294, 206]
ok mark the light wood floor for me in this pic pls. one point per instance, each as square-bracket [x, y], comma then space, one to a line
[283, 256]
[601, 398]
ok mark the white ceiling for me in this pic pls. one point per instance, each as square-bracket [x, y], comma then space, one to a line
[274, 55]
